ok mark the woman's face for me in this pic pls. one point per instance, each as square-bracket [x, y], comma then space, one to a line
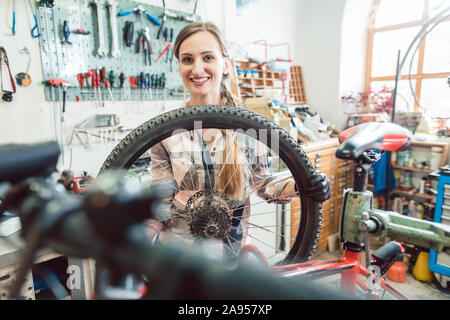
[201, 66]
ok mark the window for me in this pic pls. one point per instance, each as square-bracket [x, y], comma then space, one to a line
[393, 26]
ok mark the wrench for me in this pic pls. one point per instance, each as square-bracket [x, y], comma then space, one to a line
[112, 7]
[101, 51]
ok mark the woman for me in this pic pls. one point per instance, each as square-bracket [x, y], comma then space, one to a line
[215, 159]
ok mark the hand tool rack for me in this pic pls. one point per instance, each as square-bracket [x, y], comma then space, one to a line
[64, 61]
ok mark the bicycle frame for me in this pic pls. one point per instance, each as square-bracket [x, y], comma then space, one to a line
[348, 266]
[380, 223]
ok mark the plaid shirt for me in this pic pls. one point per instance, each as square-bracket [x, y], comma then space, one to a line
[180, 160]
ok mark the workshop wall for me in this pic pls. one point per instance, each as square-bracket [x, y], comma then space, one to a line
[319, 53]
[331, 48]
[29, 118]
[327, 38]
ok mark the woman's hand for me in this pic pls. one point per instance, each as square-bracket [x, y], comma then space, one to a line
[319, 190]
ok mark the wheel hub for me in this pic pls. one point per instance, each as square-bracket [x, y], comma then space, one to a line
[207, 214]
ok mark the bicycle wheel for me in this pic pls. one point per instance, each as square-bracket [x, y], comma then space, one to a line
[284, 230]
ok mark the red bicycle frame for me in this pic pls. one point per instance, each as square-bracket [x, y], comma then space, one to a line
[349, 267]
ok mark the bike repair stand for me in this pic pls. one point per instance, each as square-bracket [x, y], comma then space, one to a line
[354, 233]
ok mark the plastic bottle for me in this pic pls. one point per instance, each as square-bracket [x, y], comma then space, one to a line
[420, 270]
[411, 208]
[397, 272]
[420, 211]
[394, 157]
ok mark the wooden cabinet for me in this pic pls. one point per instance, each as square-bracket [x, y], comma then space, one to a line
[340, 174]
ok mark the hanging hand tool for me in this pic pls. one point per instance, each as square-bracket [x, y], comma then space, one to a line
[35, 30]
[106, 82]
[112, 7]
[81, 78]
[147, 49]
[89, 76]
[13, 29]
[140, 10]
[128, 33]
[101, 51]
[99, 86]
[64, 87]
[23, 78]
[7, 95]
[164, 17]
[81, 31]
[121, 79]
[92, 74]
[142, 84]
[171, 55]
[63, 84]
[66, 33]
[154, 83]
[163, 84]
[121, 82]
[164, 51]
[112, 78]
[165, 34]
[148, 81]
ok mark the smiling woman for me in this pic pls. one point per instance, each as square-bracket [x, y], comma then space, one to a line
[204, 64]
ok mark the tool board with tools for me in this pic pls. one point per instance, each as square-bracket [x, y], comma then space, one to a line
[110, 50]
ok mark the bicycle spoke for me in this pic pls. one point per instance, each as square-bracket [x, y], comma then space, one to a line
[262, 213]
[252, 237]
[277, 233]
[231, 245]
[262, 201]
[274, 226]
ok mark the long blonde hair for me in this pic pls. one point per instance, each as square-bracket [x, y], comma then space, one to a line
[231, 173]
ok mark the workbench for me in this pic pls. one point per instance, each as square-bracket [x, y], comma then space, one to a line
[11, 255]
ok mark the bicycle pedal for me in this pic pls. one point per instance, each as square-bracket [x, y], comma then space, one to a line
[385, 256]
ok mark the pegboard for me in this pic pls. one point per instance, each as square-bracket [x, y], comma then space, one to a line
[65, 61]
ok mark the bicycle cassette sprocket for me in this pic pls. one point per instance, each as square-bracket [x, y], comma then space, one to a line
[208, 214]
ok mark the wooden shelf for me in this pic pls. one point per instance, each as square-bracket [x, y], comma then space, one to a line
[296, 86]
[414, 194]
[265, 80]
[412, 169]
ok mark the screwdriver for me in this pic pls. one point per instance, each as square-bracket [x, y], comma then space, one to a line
[106, 82]
[122, 79]
[121, 82]
[98, 83]
[81, 77]
[148, 81]
[90, 75]
[112, 78]
[142, 80]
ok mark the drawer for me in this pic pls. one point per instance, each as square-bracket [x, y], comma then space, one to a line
[445, 220]
[447, 199]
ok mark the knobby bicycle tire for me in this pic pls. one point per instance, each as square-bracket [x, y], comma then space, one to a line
[131, 147]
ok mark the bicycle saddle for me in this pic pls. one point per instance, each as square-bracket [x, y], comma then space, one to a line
[371, 136]
[20, 161]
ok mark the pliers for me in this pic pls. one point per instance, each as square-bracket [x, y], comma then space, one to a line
[145, 36]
